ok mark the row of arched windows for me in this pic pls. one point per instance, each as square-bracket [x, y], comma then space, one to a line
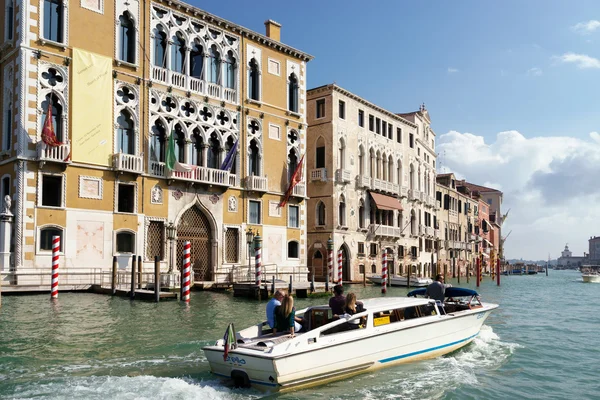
[196, 61]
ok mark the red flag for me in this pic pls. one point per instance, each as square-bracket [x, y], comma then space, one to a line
[48, 135]
[296, 177]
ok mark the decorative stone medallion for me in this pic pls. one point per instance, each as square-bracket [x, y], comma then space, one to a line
[232, 204]
[177, 194]
[156, 195]
[214, 198]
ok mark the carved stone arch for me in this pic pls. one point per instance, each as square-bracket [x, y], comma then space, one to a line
[184, 35]
[346, 262]
[196, 224]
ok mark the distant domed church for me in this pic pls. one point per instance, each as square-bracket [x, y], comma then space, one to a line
[567, 260]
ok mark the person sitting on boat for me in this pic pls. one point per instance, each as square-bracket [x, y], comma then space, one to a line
[285, 317]
[353, 306]
[337, 302]
[436, 289]
[274, 302]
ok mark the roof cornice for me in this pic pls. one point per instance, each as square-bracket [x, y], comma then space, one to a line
[223, 23]
[336, 88]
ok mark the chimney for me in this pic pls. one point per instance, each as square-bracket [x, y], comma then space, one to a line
[273, 30]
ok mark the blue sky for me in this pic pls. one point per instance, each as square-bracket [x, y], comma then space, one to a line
[397, 54]
[511, 86]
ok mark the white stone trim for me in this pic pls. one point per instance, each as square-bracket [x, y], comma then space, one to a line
[65, 24]
[274, 209]
[41, 188]
[133, 8]
[287, 256]
[135, 197]
[133, 108]
[99, 10]
[256, 53]
[114, 237]
[288, 216]
[272, 61]
[90, 178]
[63, 241]
[7, 105]
[241, 239]
[261, 212]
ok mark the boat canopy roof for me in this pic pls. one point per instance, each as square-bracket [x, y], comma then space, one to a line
[449, 292]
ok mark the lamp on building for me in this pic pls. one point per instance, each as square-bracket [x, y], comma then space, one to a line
[171, 232]
[249, 240]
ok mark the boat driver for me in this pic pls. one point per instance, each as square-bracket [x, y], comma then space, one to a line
[436, 289]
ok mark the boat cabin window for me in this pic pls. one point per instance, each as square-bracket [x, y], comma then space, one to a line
[402, 314]
[352, 324]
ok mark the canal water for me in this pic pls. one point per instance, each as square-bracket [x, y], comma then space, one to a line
[542, 343]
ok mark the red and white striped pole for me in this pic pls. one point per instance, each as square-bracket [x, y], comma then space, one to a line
[339, 267]
[55, 251]
[384, 272]
[257, 252]
[186, 273]
[330, 265]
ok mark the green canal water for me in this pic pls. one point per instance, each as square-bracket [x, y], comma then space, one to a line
[542, 343]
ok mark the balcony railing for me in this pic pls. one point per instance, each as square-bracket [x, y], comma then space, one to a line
[193, 84]
[403, 191]
[384, 230]
[157, 168]
[364, 181]
[421, 230]
[209, 176]
[422, 197]
[299, 190]
[429, 231]
[58, 154]
[413, 194]
[256, 183]
[343, 176]
[128, 163]
[318, 174]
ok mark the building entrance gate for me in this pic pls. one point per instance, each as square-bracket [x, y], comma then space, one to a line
[195, 228]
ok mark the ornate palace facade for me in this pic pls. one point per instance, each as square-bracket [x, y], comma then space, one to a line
[146, 72]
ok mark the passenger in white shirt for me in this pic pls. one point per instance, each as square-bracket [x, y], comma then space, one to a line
[274, 302]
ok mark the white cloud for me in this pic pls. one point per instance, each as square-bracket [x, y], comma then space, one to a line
[585, 28]
[535, 71]
[549, 183]
[452, 70]
[583, 61]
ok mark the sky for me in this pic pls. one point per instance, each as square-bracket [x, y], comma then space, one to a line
[511, 87]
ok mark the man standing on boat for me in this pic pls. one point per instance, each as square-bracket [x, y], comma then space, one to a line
[436, 289]
[337, 302]
[274, 302]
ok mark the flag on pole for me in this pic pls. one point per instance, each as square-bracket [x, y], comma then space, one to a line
[48, 135]
[296, 177]
[171, 158]
[228, 341]
[230, 158]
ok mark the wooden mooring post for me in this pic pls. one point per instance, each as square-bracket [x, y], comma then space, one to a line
[132, 292]
[312, 283]
[156, 279]
[139, 271]
[113, 280]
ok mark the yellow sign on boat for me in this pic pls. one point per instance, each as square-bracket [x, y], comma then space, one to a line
[381, 320]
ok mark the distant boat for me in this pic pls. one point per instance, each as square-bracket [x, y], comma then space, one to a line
[590, 273]
[399, 280]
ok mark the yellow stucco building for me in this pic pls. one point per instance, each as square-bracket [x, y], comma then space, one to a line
[121, 78]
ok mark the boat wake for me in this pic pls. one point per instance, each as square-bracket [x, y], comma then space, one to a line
[429, 379]
[139, 387]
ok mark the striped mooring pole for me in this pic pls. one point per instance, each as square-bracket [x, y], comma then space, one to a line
[329, 263]
[186, 273]
[257, 253]
[384, 271]
[55, 251]
[340, 267]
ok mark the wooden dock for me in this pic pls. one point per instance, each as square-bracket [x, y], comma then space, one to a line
[140, 294]
[299, 289]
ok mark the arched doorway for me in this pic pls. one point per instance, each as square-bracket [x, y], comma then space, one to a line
[194, 227]
[345, 263]
[390, 261]
[317, 264]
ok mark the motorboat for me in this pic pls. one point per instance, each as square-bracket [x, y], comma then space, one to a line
[400, 280]
[389, 331]
[591, 277]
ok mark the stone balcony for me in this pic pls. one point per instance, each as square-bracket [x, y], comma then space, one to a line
[384, 230]
[204, 175]
[194, 85]
[403, 191]
[56, 154]
[124, 162]
[364, 181]
[299, 190]
[318, 175]
[385, 186]
[343, 176]
[429, 231]
[256, 183]
[421, 230]
[413, 195]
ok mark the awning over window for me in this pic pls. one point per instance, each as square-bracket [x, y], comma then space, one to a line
[384, 202]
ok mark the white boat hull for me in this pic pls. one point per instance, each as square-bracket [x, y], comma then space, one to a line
[398, 280]
[319, 359]
[591, 278]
